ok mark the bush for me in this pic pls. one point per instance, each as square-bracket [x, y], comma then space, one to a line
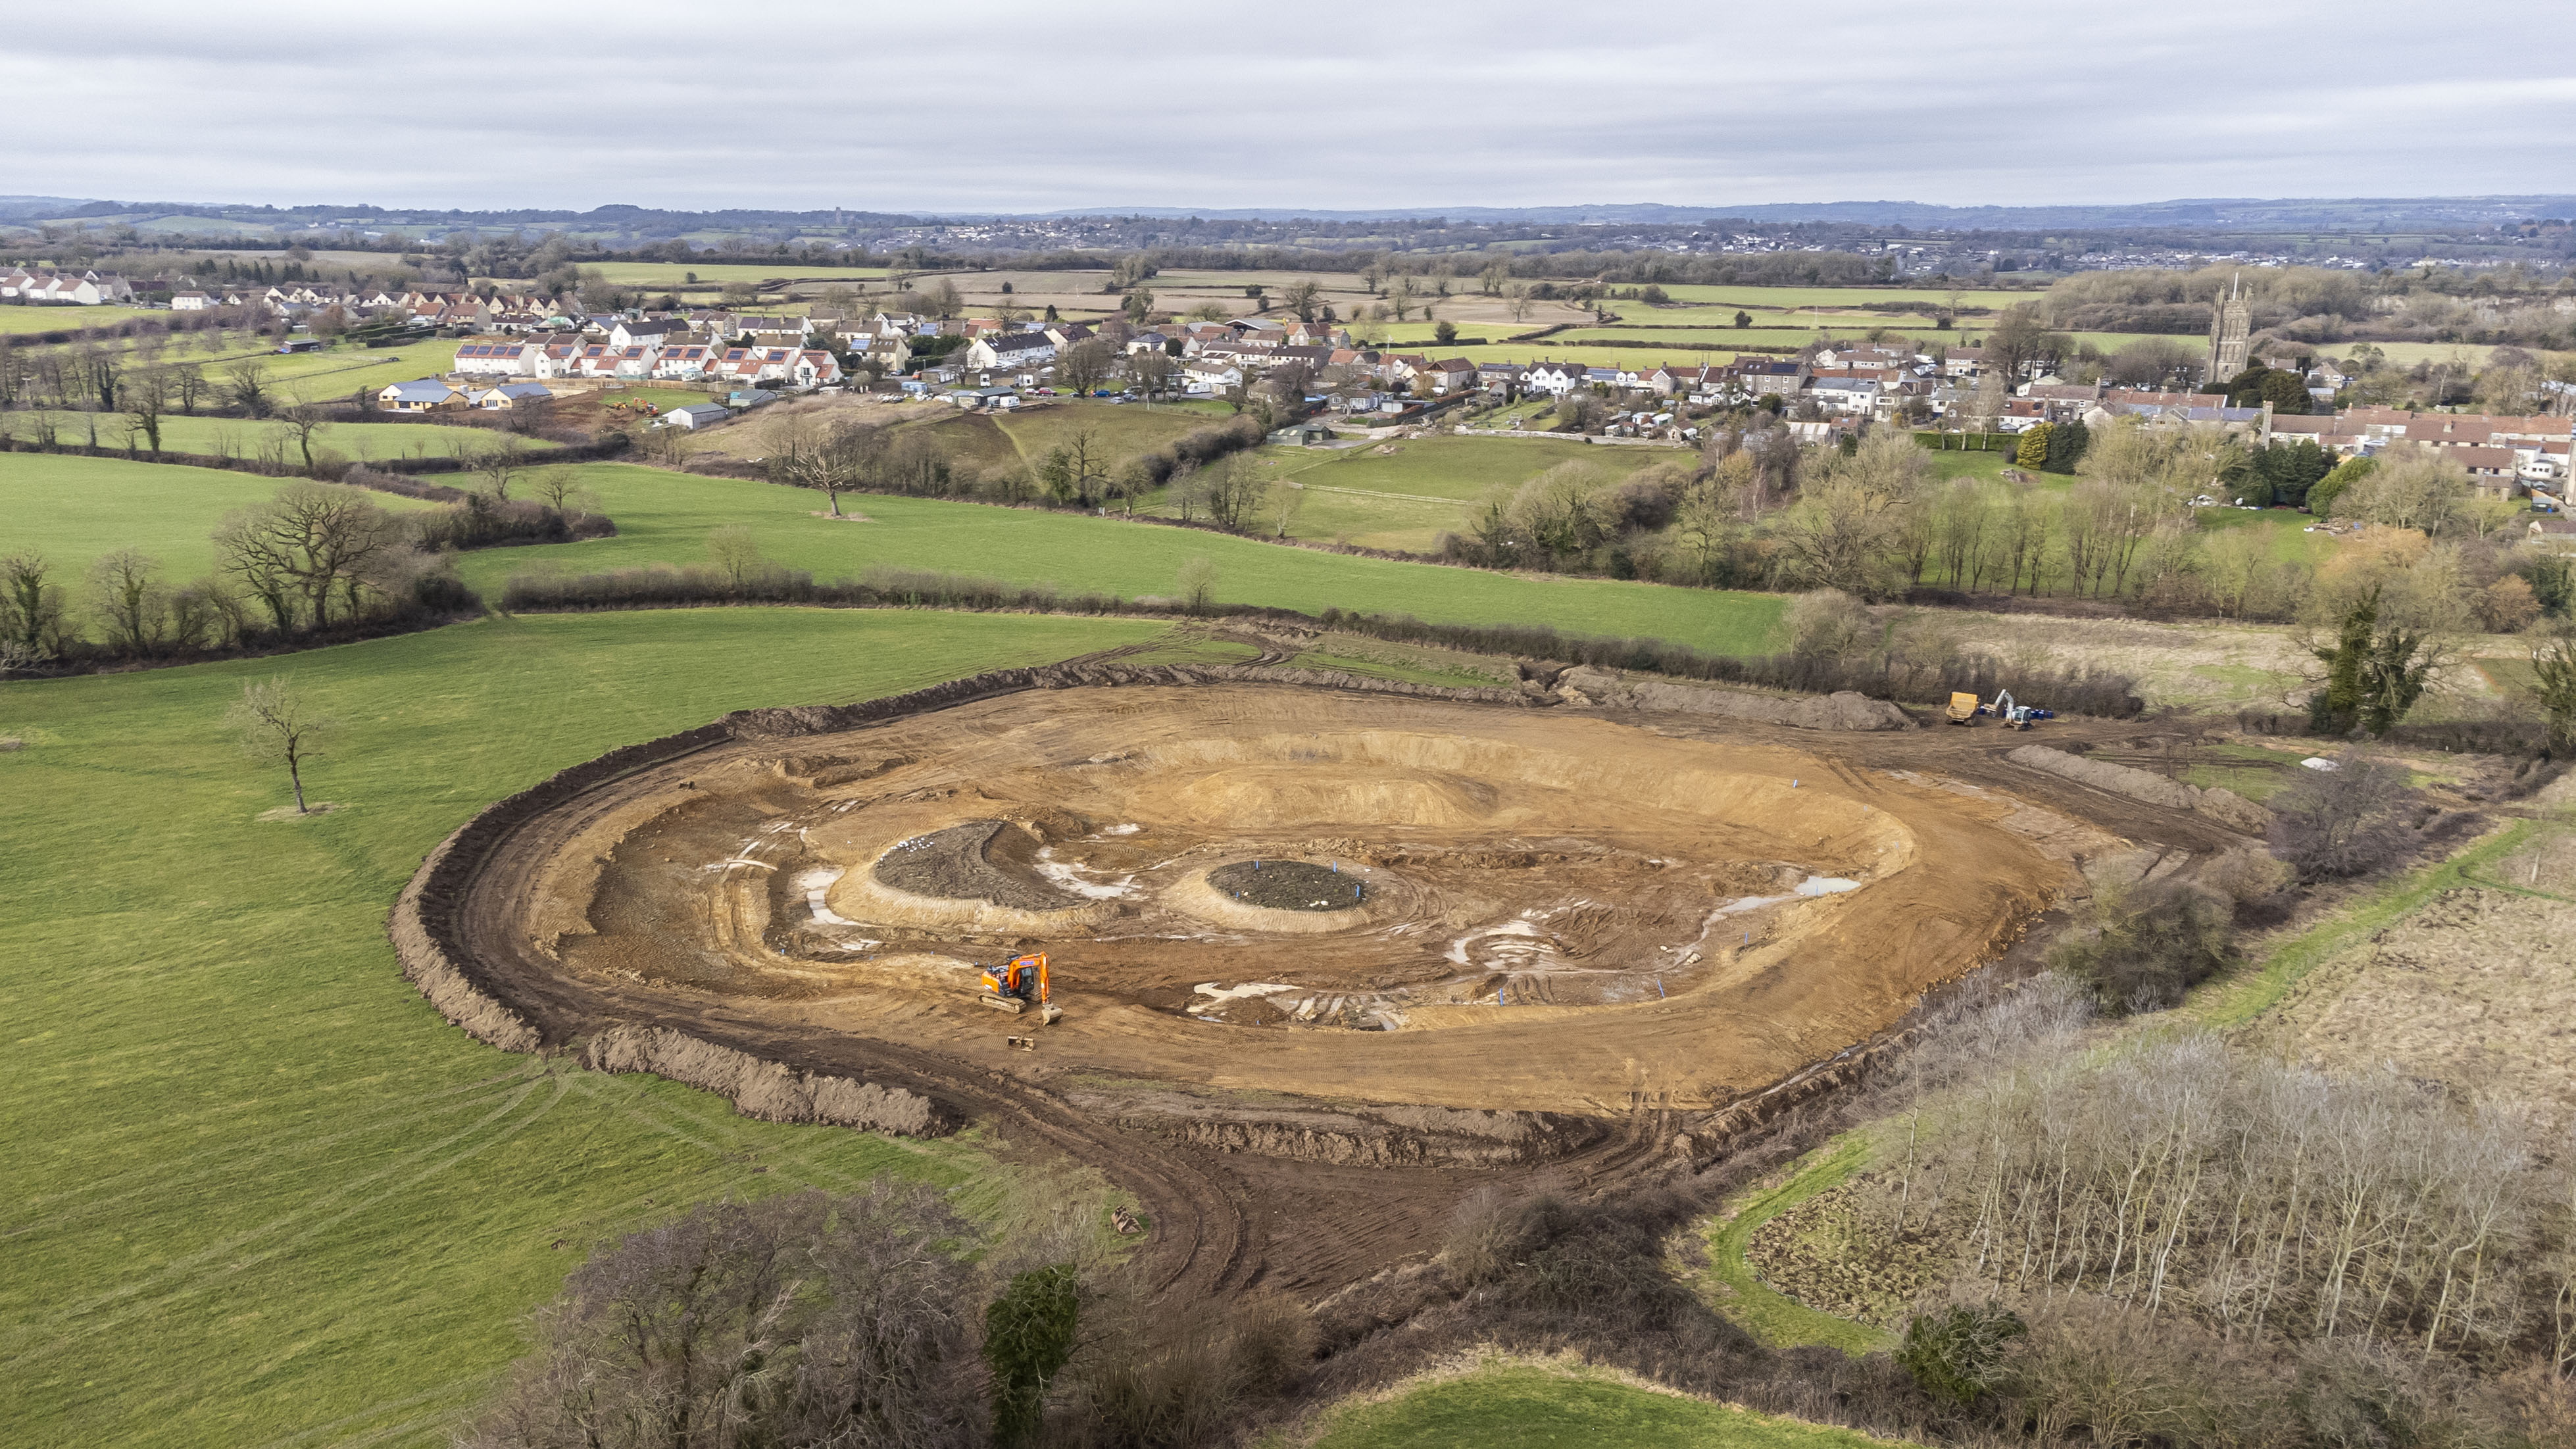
[1826, 624]
[2344, 821]
[797, 1320]
[2141, 948]
[1957, 1355]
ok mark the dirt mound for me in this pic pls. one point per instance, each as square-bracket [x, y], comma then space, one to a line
[1601, 689]
[2218, 803]
[1289, 885]
[982, 860]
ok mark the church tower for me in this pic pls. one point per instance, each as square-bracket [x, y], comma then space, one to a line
[2231, 323]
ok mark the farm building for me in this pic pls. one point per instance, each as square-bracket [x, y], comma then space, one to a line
[693, 416]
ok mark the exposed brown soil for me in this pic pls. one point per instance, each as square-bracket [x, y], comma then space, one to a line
[1582, 955]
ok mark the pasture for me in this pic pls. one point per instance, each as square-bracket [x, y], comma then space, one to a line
[260, 1191]
[1402, 495]
[20, 319]
[1553, 1404]
[72, 510]
[665, 517]
[243, 437]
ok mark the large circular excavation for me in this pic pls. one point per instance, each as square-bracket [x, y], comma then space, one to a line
[1476, 906]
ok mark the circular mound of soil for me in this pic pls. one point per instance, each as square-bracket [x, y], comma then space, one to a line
[1288, 885]
[971, 862]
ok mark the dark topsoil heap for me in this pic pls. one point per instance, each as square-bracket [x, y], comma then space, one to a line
[1288, 885]
[981, 860]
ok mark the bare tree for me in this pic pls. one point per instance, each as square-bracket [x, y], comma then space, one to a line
[1198, 584]
[1301, 297]
[147, 396]
[301, 423]
[1233, 490]
[31, 607]
[246, 387]
[307, 542]
[277, 725]
[1086, 364]
[795, 1320]
[498, 462]
[561, 489]
[1154, 372]
[131, 603]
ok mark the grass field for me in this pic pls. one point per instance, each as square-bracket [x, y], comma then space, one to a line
[258, 1191]
[1404, 498]
[361, 441]
[1743, 1298]
[666, 517]
[72, 510]
[712, 275]
[22, 319]
[1506, 1404]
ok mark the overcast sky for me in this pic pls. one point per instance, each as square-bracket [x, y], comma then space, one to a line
[999, 105]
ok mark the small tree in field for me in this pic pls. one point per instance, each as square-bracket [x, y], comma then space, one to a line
[279, 726]
[1198, 584]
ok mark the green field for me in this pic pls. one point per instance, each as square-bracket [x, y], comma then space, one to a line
[712, 275]
[1405, 498]
[19, 319]
[72, 510]
[666, 517]
[356, 441]
[1509, 1405]
[259, 1192]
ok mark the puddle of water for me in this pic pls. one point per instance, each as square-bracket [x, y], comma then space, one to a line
[1825, 885]
[1249, 988]
[1065, 875]
[1120, 829]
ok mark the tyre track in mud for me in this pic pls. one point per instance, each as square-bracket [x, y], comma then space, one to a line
[1220, 1221]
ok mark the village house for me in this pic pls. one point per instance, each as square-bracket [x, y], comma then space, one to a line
[686, 363]
[420, 395]
[1555, 378]
[513, 395]
[1010, 351]
[496, 359]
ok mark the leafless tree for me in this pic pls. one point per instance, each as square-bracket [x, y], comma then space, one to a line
[246, 387]
[1233, 490]
[498, 462]
[277, 725]
[1086, 365]
[131, 603]
[799, 1321]
[312, 539]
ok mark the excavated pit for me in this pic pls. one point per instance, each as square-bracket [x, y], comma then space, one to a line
[1271, 888]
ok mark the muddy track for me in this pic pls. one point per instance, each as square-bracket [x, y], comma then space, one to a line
[1228, 1209]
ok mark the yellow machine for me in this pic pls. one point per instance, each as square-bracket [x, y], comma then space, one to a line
[1963, 709]
[1019, 986]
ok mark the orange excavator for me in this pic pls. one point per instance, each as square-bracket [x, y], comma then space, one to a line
[1019, 986]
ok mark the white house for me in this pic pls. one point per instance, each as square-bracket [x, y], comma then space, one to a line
[496, 359]
[1558, 378]
[418, 396]
[1007, 351]
[513, 394]
[684, 364]
[190, 302]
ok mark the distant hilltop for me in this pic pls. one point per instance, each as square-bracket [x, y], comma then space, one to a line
[2240, 214]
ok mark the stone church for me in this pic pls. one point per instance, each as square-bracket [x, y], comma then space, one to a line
[2231, 322]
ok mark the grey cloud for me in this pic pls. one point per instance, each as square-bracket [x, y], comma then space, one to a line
[1024, 107]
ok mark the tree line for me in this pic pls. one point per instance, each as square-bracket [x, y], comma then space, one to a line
[316, 563]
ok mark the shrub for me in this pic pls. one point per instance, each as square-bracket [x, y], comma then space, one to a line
[2140, 948]
[797, 1320]
[2341, 822]
[1826, 624]
[1957, 1355]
